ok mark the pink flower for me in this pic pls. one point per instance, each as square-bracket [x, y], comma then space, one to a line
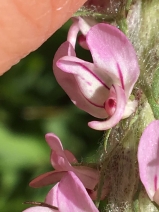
[69, 195]
[148, 159]
[61, 160]
[101, 88]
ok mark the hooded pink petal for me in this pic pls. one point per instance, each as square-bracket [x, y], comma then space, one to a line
[117, 116]
[113, 53]
[58, 158]
[148, 158]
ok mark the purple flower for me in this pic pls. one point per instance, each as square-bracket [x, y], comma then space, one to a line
[148, 159]
[101, 88]
[69, 195]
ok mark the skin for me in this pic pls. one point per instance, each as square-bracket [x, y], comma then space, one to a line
[25, 25]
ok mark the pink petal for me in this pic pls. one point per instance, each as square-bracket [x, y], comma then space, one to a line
[70, 157]
[82, 41]
[82, 24]
[58, 158]
[72, 33]
[66, 49]
[89, 92]
[52, 198]
[113, 53]
[117, 116]
[148, 158]
[156, 197]
[60, 162]
[54, 143]
[85, 24]
[72, 195]
[130, 108]
[110, 104]
[47, 179]
[88, 176]
[40, 209]
[68, 83]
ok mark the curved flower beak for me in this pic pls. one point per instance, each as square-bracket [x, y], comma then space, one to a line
[117, 115]
[148, 159]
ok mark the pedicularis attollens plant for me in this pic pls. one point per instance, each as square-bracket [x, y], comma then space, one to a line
[120, 89]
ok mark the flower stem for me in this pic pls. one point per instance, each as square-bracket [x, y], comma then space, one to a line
[102, 175]
[106, 139]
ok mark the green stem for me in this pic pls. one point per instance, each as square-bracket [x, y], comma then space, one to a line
[128, 5]
[148, 93]
[102, 175]
[96, 15]
[101, 183]
[122, 25]
[106, 138]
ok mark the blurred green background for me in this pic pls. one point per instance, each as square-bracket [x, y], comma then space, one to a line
[32, 104]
